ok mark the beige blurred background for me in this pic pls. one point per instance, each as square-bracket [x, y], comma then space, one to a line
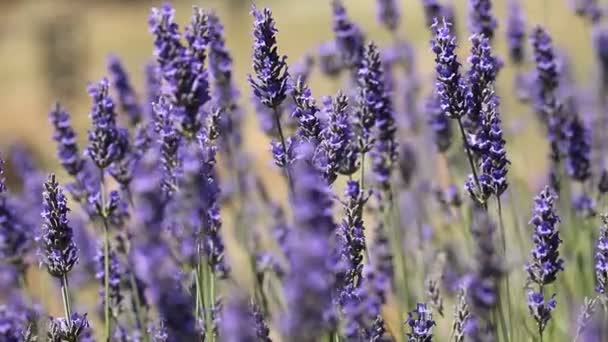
[50, 49]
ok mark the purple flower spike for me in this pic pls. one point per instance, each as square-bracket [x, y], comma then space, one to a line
[516, 32]
[578, 162]
[440, 124]
[388, 14]
[377, 104]
[225, 94]
[65, 136]
[306, 112]
[481, 19]
[484, 67]
[601, 259]
[309, 283]
[106, 141]
[115, 293]
[270, 84]
[126, 94]
[58, 251]
[348, 36]
[450, 86]
[182, 67]
[169, 140]
[15, 240]
[336, 137]
[546, 261]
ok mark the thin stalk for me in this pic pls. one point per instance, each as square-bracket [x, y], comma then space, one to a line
[106, 259]
[504, 250]
[277, 121]
[138, 308]
[469, 154]
[65, 296]
[400, 270]
[136, 300]
[362, 179]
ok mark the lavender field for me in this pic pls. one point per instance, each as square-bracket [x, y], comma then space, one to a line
[380, 170]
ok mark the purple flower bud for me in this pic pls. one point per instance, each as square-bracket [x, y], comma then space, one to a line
[546, 261]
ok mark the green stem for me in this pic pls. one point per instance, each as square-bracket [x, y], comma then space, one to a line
[362, 180]
[106, 259]
[138, 308]
[469, 154]
[65, 296]
[507, 282]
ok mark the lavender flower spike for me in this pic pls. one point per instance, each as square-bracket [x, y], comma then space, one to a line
[601, 259]
[516, 32]
[115, 273]
[270, 84]
[306, 112]
[578, 162]
[169, 140]
[388, 14]
[421, 324]
[439, 123]
[14, 237]
[450, 86]
[481, 76]
[377, 102]
[126, 93]
[65, 136]
[106, 140]
[58, 250]
[481, 19]
[546, 261]
[349, 38]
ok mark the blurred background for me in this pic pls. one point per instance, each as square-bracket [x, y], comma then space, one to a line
[50, 49]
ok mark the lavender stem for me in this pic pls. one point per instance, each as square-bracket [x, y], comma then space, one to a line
[65, 296]
[469, 155]
[106, 258]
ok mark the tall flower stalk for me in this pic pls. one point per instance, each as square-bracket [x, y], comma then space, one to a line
[271, 81]
[107, 144]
